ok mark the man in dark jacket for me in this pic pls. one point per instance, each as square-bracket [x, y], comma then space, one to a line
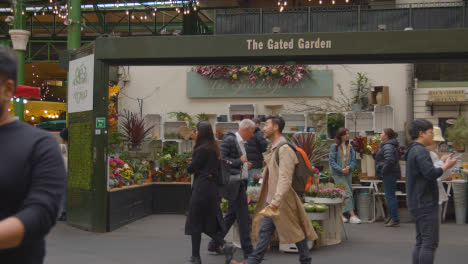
[422, 190]
[255, 148]
[32, 179]
[233, 149]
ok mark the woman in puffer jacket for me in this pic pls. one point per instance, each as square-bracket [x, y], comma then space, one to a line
[387, 167]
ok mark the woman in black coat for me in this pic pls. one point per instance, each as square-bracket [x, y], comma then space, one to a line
[204, 214]
[388, 169]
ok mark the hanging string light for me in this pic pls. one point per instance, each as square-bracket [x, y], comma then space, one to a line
[282, 4]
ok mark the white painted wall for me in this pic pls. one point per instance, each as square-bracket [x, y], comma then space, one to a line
[421, 111]
[166, 86]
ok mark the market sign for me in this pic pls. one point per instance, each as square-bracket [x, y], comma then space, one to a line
[447, 96]
[319, 83]
[80, 85]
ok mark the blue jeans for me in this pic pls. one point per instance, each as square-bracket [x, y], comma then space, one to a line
[253, 172]
[427, 234]
[267, 231]
[389, 186]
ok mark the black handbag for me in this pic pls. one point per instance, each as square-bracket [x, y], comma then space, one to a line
[228, 185]
[224, 172]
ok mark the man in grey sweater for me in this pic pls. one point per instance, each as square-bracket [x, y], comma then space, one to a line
[422, 190]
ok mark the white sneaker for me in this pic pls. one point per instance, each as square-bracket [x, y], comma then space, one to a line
[354, 220]
[345, 220]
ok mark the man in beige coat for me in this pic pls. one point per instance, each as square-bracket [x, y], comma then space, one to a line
[288, 215]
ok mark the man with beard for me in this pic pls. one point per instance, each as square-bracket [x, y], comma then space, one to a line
[32, 178]
[278, 196]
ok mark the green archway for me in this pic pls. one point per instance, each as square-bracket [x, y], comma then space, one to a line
[88, 143]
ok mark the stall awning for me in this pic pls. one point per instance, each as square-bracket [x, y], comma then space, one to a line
[28, 91]
[53, 125]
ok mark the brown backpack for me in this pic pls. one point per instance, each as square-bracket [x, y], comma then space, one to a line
[302, 171]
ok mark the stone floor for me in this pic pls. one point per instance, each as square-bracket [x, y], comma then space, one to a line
[160, 239]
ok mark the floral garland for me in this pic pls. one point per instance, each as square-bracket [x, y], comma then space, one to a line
[284, 73]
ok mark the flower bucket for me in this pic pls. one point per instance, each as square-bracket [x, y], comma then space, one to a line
[370, 162]
[309, 199]
[364, 163]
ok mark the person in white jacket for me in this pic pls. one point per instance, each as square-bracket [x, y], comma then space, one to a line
[439, 162]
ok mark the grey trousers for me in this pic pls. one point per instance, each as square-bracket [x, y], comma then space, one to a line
[427, 234]
[267, 231]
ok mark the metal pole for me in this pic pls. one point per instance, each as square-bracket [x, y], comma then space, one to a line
[410, 16]
[463, 15]
[309, 20]
[261, 21]
[359, 18]
[74, 29]
[19, 24]
[214, 24]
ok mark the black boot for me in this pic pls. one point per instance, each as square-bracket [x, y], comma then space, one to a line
[193, 260]
[229, 251]
[393, 223]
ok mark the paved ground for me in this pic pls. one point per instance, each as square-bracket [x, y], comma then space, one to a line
[160, 239]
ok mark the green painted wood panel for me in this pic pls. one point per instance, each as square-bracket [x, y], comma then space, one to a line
[316, 84]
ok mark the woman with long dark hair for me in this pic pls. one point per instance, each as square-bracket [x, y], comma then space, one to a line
[342, 162]
[204, 215]
[387, 167]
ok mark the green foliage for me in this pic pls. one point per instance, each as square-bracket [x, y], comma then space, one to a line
[181, 116]
[335, 121]
[202, 117]
[360, 87]
[317, 227]
[171, 148]
[458, 132]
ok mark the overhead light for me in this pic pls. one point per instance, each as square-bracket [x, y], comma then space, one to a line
[27, 111]
[45, 111]
[17, 100]
[32, 118]
[25, 101]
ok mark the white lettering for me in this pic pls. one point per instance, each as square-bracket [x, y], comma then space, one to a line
[270, 44]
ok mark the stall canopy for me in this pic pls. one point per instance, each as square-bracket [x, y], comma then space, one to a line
[53, 125]
[28, 91]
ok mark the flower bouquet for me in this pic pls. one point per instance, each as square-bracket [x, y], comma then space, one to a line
[116, 167]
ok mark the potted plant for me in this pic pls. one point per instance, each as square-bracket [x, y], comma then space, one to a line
[334, 122]
[134, 130]
[361, 89]
[359, 146]
[324, 193]
[316, 149]
[202, 117]
[458, 134]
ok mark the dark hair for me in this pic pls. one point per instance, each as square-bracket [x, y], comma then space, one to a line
[8, 65]
[64, 134]
[341, 132]
[419, 125]
[277, 120]
[205, 138]
[257, 121]
[390, 133]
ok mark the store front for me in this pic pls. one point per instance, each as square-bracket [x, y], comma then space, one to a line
[94, 206]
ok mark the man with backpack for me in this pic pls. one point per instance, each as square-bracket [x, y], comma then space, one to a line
[280, 206]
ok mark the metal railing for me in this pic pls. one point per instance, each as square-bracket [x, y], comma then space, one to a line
[343, 19]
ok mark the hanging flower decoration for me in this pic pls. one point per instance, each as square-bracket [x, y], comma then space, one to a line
[284, 74]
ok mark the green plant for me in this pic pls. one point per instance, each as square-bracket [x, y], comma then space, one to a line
[360, 88]
[170, 147]
[334, 122]
[180, 116]
[458, 132]
[133, 129]
[317, 227]
[202, 117]
[313, 146]
[355, 173]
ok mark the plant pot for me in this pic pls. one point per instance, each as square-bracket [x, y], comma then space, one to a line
[140, 182]
[318, 216]
[370, 166]
[120, 185]
[309, 199]
[460, 200]
[356, 107]
[127, 184]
